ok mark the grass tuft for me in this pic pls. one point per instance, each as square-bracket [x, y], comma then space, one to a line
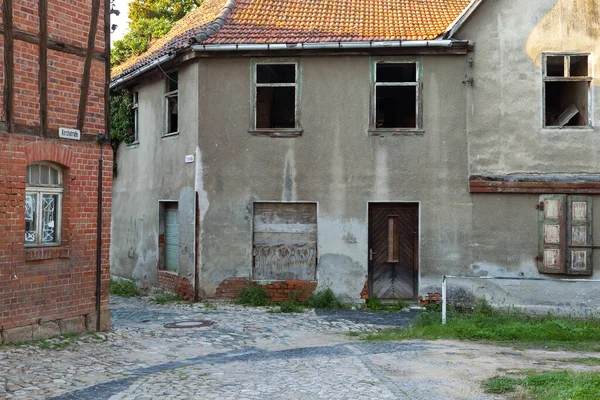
[502, 327]
[123, 288]
[253, 296]
[325, 299]
[168, 298]
[376, 305]
[555, 385]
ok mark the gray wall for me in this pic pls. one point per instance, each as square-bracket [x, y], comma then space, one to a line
[335, 163]
[505, 103]
[151, 171]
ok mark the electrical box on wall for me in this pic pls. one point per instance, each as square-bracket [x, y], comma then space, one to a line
[189, 159]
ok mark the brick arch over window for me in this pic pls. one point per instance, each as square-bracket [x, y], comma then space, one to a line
[49, 151]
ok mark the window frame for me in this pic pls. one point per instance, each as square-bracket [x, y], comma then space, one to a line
[46, 189]
[135, 106]
[168, 95]
[418, 130]
[567, 78]
[254, 85]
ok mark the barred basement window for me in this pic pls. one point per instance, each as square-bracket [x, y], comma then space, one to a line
[43, 201]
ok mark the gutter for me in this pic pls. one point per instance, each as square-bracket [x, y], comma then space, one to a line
[327, 45]
[140, 71]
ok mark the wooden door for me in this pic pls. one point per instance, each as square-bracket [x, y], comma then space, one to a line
[393, 250]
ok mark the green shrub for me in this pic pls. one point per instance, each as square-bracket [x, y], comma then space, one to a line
[291, 307]
[325, 299]
[123, 288]
[253, 295]
[374, 304]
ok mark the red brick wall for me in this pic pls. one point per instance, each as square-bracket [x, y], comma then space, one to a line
[278, 291]
[52, 283]
[46, 284]
[177, 284]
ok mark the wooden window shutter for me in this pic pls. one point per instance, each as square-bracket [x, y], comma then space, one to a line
[552, 220]
[579, 232]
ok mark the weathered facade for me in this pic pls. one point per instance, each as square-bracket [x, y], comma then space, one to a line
[343, 195]
[54, 213]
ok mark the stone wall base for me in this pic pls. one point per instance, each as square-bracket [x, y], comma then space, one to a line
[48, 329]
[176, 284]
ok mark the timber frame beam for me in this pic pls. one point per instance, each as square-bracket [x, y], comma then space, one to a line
[9, 64]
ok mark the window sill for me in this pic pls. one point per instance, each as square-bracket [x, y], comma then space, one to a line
[168, 272]
[46, 253]
[172, 135]
[396, 132]
[277, 133]
[567, 128]
[133, 145]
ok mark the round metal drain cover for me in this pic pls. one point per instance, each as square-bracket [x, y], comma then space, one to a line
[188, 324]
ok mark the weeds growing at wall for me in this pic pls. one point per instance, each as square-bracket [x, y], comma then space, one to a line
[509, 327]
[123, 288]
[325, 299]
[168, 298]
[254, 296]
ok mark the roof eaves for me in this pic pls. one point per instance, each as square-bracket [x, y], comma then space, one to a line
[214, 27]
[461, 19]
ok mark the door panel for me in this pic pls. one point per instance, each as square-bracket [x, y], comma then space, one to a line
[393, 244]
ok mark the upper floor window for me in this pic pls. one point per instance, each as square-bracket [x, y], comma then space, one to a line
[172, 103]
[43, 199]
[566, 90]
[276, 96]
[396, 96]
[135, 121]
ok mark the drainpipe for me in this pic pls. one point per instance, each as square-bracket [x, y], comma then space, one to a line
[101, 139]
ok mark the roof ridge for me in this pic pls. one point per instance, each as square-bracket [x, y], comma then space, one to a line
[214, 26]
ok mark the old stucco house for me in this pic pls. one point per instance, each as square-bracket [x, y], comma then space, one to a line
[371, 146]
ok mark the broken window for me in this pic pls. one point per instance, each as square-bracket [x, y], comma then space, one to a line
[566, 90]
[397, 93]
[565, 235]
[172, 103]
[276, 96]
[43, 199]
[135, 117]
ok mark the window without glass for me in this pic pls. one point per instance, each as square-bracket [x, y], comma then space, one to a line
[566, 90]
[276, 96]
[397, 93]
[134, 109]
[172, 103]
[43, 199]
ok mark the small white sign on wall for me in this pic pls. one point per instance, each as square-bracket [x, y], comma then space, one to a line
[68, 133]
[189, 159]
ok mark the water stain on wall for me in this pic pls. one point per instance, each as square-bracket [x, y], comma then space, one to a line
[571, 25]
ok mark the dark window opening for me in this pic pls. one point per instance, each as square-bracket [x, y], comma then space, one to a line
[276, 96]
[396, 107]
[567, 103]
[276, 73]
[172, 114]
[555, 66]
[405, 72]
[172, 103]
[579, 66]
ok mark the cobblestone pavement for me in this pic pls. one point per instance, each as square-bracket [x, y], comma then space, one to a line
[249, 353]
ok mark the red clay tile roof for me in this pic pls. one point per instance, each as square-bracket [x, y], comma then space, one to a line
[304, 21]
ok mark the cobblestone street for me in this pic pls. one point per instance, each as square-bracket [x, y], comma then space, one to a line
[250, 353]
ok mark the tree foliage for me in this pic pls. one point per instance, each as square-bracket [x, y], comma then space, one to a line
[135, 42]
[168, 10]
[121, 121]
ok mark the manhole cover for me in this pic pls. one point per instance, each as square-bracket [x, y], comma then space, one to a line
[188, 324]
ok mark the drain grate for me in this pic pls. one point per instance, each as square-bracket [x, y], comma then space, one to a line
[188, 324]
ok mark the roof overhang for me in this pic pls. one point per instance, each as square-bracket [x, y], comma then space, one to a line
[461, 19]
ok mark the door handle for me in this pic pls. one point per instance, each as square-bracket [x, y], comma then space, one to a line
[371, 254]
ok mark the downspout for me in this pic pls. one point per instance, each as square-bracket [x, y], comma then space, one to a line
[101, 139]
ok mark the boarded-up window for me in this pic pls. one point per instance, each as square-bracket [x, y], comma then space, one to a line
[565, 235]
[285, 241]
